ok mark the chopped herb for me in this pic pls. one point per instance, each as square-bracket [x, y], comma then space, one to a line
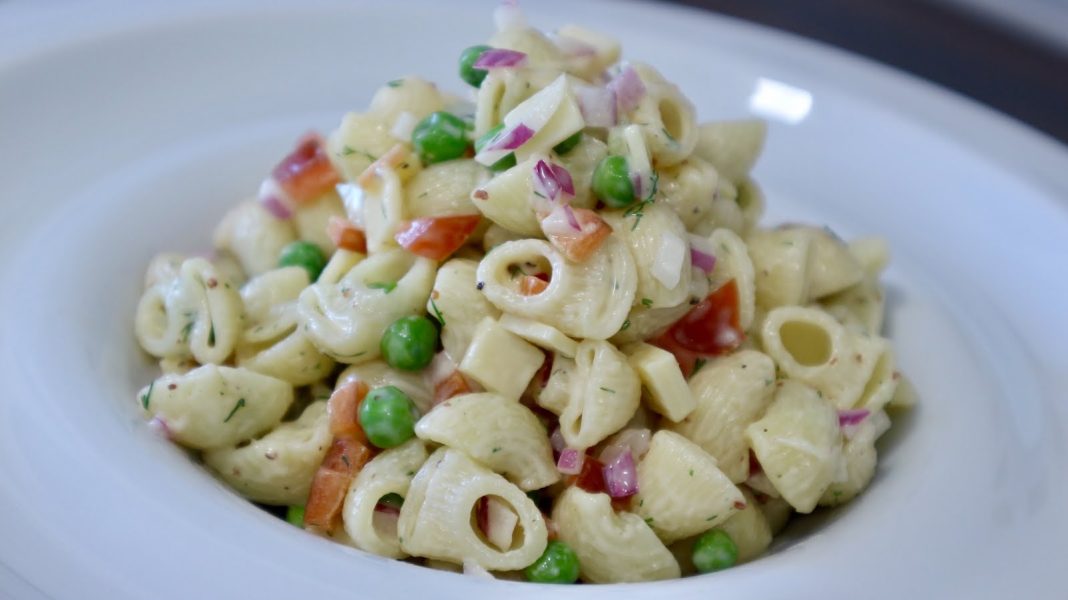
[388, 286]
[240, 404]
[211, 335]
[496, 449]
[539, 194]
[395, 83]
[514, 271]
[411, 473]
[641, 502]
[769, 381]
[437, 313]
[345, 459]
[186, 330]
[668, 135]
[712, 518]
[626, 324]
[691, 472]
[349, 151]
[697, 365]
[649, 521]
[609, 390]
[145, 397]
[647, 302]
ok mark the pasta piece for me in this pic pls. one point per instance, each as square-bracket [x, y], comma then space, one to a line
[254, 236]
[860, 457]
[798, 444]
[390, 472]
[278, 467]
[346, 320]
[436, 518]
[731, 393]
[777, 511]
[456, 300]
[604, 394]
[905, 395]
[496, 235]
[506, 199]
[177, 366]
[382, 210]
[587, 300]
[660, 250]
[540, 334]
[809, 345]
[556, 393]
[497, 432]
[444, 189]
[689, 189]
[413, 95]
[581, 162]
[540, 50]
[600, 51]
[832, 267]
[359, 141]
[339, 264]
[310, 220]
[750, 200]
[644, 323]
[781, 260]
[681, 492]
[163, 269]
[860, 308]
[196, 313]
[611, 547]
[733, 262]
[501, 91]
[748, 529]
[215, 407]
[377, 373]
[667, 118]
[668, 393]
[552, 113]
[872, 253]
[499, 360]
[732, 146]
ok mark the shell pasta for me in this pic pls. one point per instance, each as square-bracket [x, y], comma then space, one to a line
[531, 329]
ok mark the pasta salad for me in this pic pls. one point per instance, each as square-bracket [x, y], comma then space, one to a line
[532, 332]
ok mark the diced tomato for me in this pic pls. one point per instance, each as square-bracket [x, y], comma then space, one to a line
[577, 246]
[342, 463]
[344, 409]
[437, 237]
[345, 235]
[710, 329]
[550, 527]
[532, 285]
[453, 385]
[306, 173]
[591, 477]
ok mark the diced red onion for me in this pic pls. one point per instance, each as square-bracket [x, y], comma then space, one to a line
[852, 416]
[551, 180]
[404, 126]
[555, 222]
[635, 441]
[159, 425]
[621, 476]
[274, 199]
[557, 440]
[571, 219]
[628, 87]
[702, 260]
[496, 58]
[505, 142]
[573, 48]
[597, 105]
[508, 16]
[570, 461]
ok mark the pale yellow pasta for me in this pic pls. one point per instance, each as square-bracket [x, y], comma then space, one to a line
[499, 360]
[215, 407]
[556, 393]
[603, 51]
[538, 48]
[456, 299]
[681, 491]
[497, 432]
[412, 95]
[733, 262]
[778, 512]
[732, 146]
[833, 267]
[643, 323]
[506, 199]
[667, 118]
[254, 236]
[444, 189]
[310, 220]
[658, 240]
[781, 262]
[541, 335]
[196, 313]
[500, 92]
[750, 200]
[604, 394]
[689, 189]
[668, 393]
[278, 467]
[860, 308]
[435, 520]
[731, 392]
[346, 320]
[552, 113]
[749, 529]
[390, 472]
[496, 235]
[382, 209]
[612, 547]
[581, 162]
[809, 345]
[798, 444]
[584, 300]
[859, 456]
[377, 373]
[359, 141]
[339, 264]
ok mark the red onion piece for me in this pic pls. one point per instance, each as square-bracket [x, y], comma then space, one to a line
[557, 440]
[571, 219]
[597, 105]
[635, 441]
[702, 260]
[629, 89]
[158, 425]
[570, 461]
[852, 416]
[551, 180]
[274, 199]
[495, 58]
[621, 476]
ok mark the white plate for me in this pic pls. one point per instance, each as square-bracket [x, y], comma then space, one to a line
[128, 130]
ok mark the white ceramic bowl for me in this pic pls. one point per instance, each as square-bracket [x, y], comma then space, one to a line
[129, 129]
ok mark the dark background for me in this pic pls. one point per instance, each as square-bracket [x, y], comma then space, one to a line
[1007, 68]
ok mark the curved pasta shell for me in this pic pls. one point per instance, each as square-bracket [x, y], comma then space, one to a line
[413, 95]
[381, 209]
[436, 518]
[310, 220]
[646, 240]
[732, 146]
[681, 491]
[781, 261]
[748, 529]
[390, 472]
[860, 458]
[359, 140]
[731, 392]
[732, 262]
[456, 297]
[798, 444]
[277, 468]
[197, 313]
[346, 320]
[668, 119]
[254, 236]
[588, 300]
[581, 162]
[506, 199]
[833, 267]
[444, 188]
[497, 432]
[643, 323]
[377, 373]
[689, 189]
[605, 392]
[214, 407]
[611, 547]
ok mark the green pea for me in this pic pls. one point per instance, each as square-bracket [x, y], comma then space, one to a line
[439, 137]
[611, 182]
[569, 144]
[501, 165]
[714, 551]
[303, 254]
[468, 72]
[409, 342]
[558, 564]
[295, 516]
[388, 417]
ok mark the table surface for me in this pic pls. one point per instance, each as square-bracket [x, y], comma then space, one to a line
[998, 63]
